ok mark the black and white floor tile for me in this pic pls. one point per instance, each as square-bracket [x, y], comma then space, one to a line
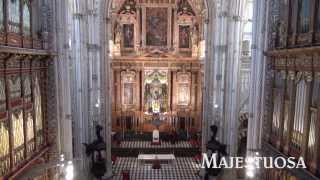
[182, 169]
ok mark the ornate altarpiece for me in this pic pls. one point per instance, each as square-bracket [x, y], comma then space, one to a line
[156, 65]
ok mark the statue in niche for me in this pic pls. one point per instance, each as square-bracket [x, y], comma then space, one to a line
[195, 35]
[194, 41]
[156, 92]
[118, 35]
[117, 40]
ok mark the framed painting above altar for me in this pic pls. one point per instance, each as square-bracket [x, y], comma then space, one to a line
[156, 26]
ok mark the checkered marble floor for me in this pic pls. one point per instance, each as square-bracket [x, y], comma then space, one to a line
[182, 169]
[147, 144]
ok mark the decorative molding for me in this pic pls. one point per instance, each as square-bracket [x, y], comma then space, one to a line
[291, 75]
[283, 74]
[308, 76]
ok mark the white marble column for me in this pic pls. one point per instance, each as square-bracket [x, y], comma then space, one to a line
[106, 75]
[62, 46]
[258, 66]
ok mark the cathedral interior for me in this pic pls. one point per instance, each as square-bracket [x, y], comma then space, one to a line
[141, 89]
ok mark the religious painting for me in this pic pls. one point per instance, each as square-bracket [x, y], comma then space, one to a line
[184, 91]
[128, 79]
[184, 36]
[304, 16]
[128, 35]
[26, 18]
[15, 86]
[156, 91]
[184, 82]
[128, 94]
[14, 15]
[156, 26]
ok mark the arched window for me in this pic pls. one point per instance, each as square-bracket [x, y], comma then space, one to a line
[14, 15]
[1, 16]
[304, 16]
[26, 18]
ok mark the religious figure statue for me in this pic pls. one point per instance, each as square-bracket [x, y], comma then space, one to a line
[194, 38]
[118, 35]
[95, 149]
[117, 41]
[194, 41]
[217, 148]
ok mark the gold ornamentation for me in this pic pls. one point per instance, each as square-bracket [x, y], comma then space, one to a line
[30, 132]
[15, 87]
[4, 139]
[37, 105]
[17, 128]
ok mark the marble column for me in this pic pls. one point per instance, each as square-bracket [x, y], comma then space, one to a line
[258, 71]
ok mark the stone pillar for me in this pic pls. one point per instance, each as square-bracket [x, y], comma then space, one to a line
[106, 76]
[62, 47]
[258, 71]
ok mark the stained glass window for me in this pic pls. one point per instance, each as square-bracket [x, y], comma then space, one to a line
[14, 15]
[26, 18]
[17, 128]
[1, 16]
[304, 16]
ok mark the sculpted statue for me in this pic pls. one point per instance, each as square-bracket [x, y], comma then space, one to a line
[216, 147]
[194, 37]
[95, 150]
[118, 35]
